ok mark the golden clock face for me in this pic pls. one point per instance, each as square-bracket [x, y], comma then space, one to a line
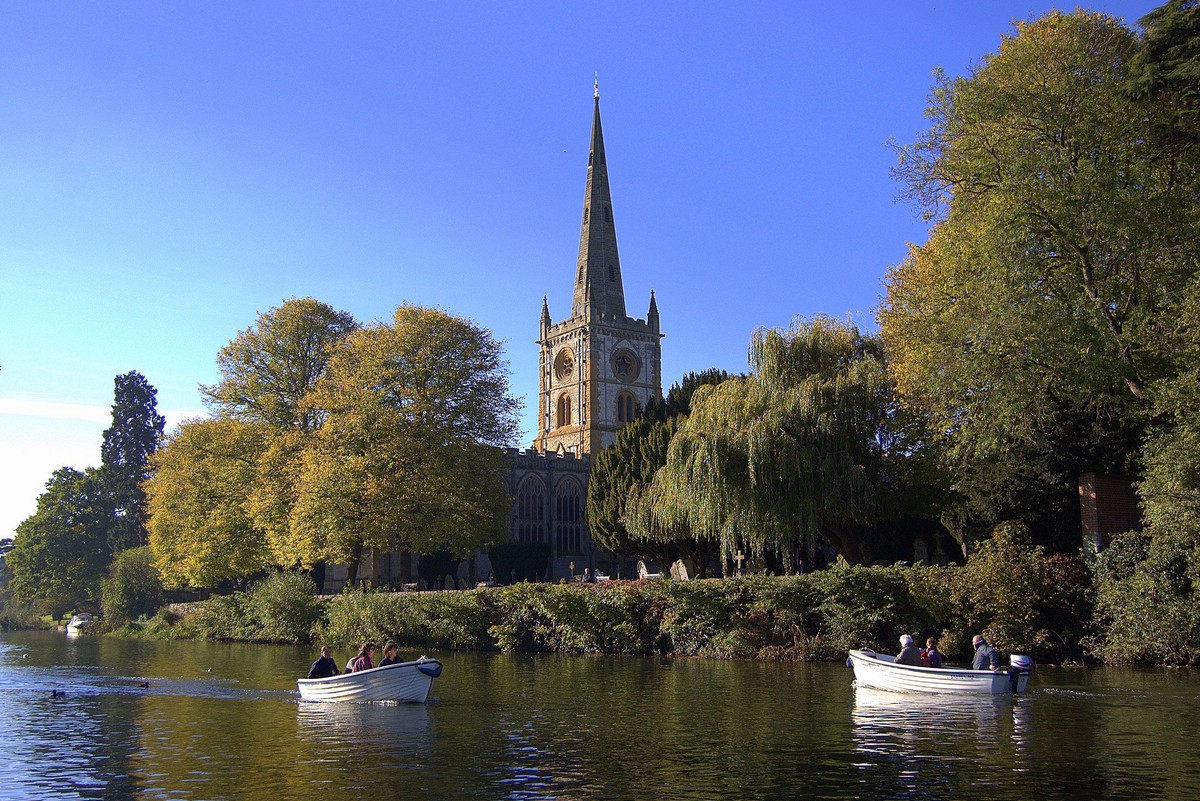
[564, 364]
[625, 365]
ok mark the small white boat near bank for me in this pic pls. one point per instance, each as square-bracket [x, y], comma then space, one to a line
[80, 623]
[881, 672]
[406, 682]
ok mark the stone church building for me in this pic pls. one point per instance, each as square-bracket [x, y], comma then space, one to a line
[596, 369]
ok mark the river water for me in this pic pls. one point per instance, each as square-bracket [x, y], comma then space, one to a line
[223, 721]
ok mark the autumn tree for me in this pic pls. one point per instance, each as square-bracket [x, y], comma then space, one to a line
[229, 483]
[60, 553]
[268, 370]
[791, 453]
[408, 455]
[125, 458]
[201, 532]
[1029, 326]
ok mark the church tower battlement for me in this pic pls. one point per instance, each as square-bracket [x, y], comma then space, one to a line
[599, 366]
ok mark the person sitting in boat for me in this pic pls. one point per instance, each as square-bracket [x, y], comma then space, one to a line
[909, 655]
[362, 661]
[324, 667]
[390, 655]
[986, 657]
[931, 656]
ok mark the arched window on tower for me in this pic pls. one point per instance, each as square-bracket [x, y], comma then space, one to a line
[531, 510]
[564, 410]
[626, 407]
[568, 517]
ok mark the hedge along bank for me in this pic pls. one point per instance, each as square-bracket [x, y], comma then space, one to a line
[815, 616]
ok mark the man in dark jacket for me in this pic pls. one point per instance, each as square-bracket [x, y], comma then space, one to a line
[323, 667]
[986, 657]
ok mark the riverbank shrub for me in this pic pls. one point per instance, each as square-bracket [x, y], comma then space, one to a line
[132, 589]
[452, 620]
[1148, 602]
[1025, 602]
[283, 607]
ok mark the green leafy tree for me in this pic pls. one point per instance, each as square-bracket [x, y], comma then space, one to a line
[60, 552]
[1027, 330]
[792, 453]
[201, 531]
[408, 456]
[125, 458]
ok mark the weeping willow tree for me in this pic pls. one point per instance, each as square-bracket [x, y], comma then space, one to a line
[790, 454]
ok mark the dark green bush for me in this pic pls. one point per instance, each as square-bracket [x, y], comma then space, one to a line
[285, 607]
[132, 589]
[1148, 610]
[866, 607]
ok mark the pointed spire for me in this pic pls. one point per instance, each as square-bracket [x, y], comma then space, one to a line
[652, 313]
[598, 286]
[545, 316]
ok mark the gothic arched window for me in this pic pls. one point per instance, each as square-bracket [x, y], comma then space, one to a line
[568, 517]
[564, 410]
[626, 407]
[531, 510]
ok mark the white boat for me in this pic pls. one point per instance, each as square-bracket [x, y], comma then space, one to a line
[80, 623]
[404, 681]
[881, 672]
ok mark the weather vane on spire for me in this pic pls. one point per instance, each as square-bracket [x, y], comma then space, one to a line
[596, 86]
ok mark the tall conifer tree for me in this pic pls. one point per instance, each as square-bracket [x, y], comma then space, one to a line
[125, 458]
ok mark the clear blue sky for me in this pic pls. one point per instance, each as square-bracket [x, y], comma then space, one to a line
[168, 170]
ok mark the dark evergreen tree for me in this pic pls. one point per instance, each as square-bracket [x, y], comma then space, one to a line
[125, 458]
[639, 451]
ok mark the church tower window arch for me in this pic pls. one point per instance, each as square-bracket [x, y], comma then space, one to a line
[626, 407]
[531, 510]
[563, 416]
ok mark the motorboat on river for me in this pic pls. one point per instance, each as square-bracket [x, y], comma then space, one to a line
[404, 681]
[80, 623]
[881, 672]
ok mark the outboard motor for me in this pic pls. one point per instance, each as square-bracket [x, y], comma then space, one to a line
[1019, 668]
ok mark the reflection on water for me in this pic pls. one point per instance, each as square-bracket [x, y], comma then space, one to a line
[357, 726]
[223, 721]
[920, 745]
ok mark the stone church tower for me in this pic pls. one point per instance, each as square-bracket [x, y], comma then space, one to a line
[599, 366]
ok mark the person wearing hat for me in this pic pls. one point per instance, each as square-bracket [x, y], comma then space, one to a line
[986, 657]
[909, 653]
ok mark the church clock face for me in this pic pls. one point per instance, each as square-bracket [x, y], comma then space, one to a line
[564, 364]
[625, 365]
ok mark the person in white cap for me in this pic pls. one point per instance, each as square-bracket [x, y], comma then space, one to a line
[909, 653]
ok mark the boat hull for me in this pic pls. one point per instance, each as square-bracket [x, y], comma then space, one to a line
[881, 672]
[408, 682]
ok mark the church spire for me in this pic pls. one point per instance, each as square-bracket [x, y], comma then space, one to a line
[598, 287]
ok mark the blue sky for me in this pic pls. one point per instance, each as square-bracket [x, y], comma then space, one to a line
[171, 169]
